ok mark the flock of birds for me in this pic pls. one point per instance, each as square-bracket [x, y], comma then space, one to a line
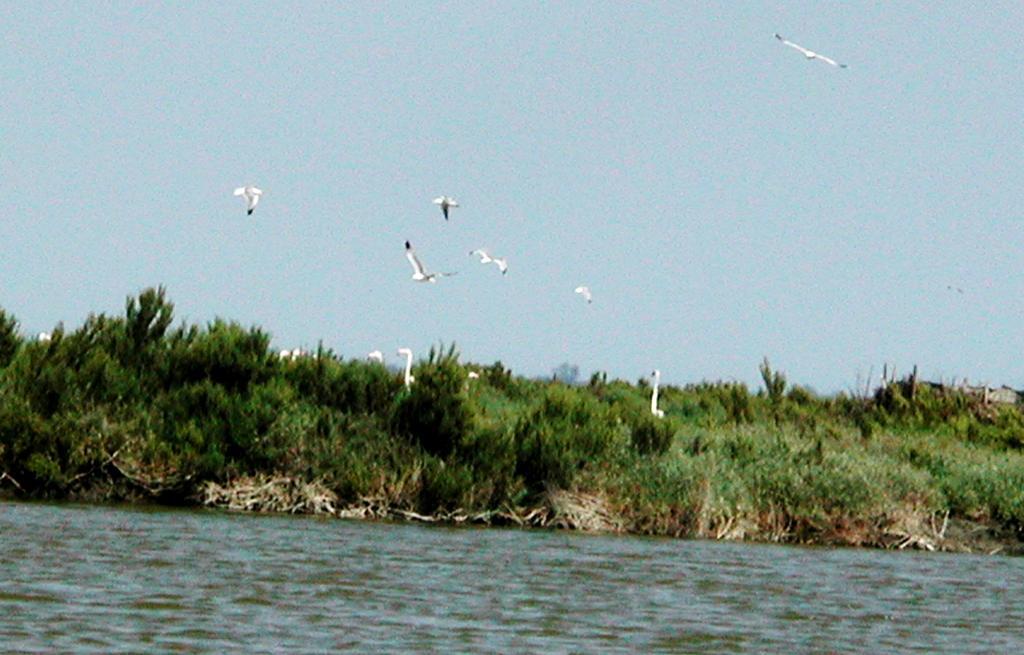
[252, 195]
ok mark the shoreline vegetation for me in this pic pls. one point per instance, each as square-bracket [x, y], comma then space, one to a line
[133, 408]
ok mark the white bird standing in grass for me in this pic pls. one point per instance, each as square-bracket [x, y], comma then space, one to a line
[419, 273]
[656, 374]
[375, 356]
[251, 195]
[445, 202]
[409, 379]
[585, 292]
[44, 337]
[485, 258]
[810, 54]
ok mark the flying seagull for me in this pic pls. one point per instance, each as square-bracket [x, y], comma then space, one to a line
[809, 53]
[445, 203]
[485, 258]
[586, 293]
[251, 195]
[419, 273]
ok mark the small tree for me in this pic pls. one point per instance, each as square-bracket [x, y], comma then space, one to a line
[774, 382]
[9, 339]
[148, 317]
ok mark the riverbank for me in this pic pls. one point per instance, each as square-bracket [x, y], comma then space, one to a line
[592, 513]
[133, 408]
[560, 509]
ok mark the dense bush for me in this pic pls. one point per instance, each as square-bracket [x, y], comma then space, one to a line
[434, 412]
[135, 406]
[9, 340]
[649, 435]
[565, 432]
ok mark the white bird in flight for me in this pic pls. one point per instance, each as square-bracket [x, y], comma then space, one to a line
[445, 203]
[485, 258]
[810, 54]
[375, 356]
[419, 273]
[251, 195]
[585, 291]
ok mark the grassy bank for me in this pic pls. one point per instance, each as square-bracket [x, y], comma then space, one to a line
[133, 407]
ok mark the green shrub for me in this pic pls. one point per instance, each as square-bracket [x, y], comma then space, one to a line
[182, 405]
[434, 412]
[354, 386]
[651, 436]
[499, 377]
[774, 382]
[564, 433]
[445, 486]
[9, 339]
[648, 435]
[24, 443]
[225, 354]
[490, 453]
[147, 318]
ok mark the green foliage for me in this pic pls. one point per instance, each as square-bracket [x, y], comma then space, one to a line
[490, 453]
[650, 436]
[499, 377]
[9, 339]
[225, 353]
[352, 387]
[435, 412]
[24, 444]
[730, 400]
[146, 321]
[774, 382]
[133, 404]
[564, 433]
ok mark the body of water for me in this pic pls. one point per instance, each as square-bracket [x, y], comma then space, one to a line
[111, 579]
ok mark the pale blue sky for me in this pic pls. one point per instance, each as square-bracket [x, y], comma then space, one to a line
[723, 198]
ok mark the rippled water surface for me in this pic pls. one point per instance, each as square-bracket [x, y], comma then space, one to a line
[102, 579]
